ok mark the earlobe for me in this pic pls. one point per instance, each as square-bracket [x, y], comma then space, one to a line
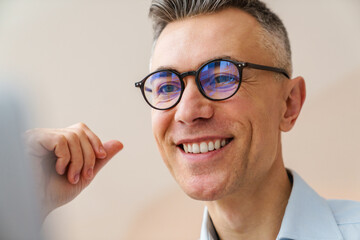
[294, 101]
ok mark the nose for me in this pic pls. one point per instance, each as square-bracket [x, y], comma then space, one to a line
[193, 106]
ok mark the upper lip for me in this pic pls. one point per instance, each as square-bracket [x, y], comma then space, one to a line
[200, 139]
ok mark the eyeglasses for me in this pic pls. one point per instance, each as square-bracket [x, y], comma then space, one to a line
[217, 80]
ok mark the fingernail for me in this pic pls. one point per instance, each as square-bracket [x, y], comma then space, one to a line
[90, 172]
[102, 152]
[76, 178]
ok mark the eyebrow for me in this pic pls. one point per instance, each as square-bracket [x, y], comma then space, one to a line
[172, 68]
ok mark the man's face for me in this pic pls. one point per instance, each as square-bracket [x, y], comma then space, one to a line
[248, 122]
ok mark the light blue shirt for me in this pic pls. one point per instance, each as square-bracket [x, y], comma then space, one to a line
[308, 217]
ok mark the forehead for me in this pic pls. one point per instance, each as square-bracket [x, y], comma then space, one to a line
[186, 44]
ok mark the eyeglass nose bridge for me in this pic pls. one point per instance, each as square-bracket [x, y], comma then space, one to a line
[189, 73]
[193, 73]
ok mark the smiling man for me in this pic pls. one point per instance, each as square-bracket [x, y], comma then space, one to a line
[222, 92]
[225, 101]
[222, 95]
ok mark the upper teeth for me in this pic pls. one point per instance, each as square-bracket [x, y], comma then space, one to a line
[204, 147]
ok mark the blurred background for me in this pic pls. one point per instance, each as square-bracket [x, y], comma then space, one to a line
[78, 61]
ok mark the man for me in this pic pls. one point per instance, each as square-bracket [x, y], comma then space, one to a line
[221, 92]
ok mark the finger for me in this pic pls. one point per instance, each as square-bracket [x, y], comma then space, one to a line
[88, 154]
[94, 140]
[62, 152]
[56, 143]
[76, 161]
[111, 147]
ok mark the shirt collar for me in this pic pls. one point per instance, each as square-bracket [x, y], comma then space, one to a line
[307, 216]
[208, 231]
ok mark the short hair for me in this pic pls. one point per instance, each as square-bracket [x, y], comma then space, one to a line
[273, 34]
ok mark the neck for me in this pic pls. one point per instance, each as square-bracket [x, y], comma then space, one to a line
[256, 212]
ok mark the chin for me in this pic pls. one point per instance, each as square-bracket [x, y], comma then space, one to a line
[204, 190]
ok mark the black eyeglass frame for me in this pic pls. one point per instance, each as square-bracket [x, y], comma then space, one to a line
[240, 66]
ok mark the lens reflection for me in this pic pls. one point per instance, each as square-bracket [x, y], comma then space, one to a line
[219, 79]
[162, 89]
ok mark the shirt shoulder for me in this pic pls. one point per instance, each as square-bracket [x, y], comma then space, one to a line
[345, 211]
[308, 216]
[347, 216]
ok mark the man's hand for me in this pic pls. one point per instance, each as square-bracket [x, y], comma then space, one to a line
[65, 161]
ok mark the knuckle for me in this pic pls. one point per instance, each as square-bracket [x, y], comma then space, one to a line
[60, 139]
[73, 137]
[62, 144]
[82, 125]
[80, 133]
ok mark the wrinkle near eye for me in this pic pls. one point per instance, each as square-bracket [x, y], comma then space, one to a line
[249, 86]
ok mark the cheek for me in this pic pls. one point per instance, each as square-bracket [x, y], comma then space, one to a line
[265, 123]
[161, 125]
[258, 117]
[161, 122]
[263, 108]
[157, 126]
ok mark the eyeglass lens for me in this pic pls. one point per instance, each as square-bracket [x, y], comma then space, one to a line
[218, 80]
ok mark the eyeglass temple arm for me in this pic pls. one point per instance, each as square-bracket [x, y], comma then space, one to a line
[262, 67]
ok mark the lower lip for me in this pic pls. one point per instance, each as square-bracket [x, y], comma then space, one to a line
[204, 157]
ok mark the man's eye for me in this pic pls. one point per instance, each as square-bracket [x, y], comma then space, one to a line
[168, 88]
[225, 79]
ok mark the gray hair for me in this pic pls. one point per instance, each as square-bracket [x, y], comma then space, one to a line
[273, 35]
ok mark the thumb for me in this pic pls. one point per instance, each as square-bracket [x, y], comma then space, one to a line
[111, 147]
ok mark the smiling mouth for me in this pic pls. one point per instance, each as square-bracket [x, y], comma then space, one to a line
[205, 146]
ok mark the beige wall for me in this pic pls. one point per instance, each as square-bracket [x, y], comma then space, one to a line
[78, 60]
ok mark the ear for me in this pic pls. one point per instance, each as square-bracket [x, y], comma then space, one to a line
[295, 97]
